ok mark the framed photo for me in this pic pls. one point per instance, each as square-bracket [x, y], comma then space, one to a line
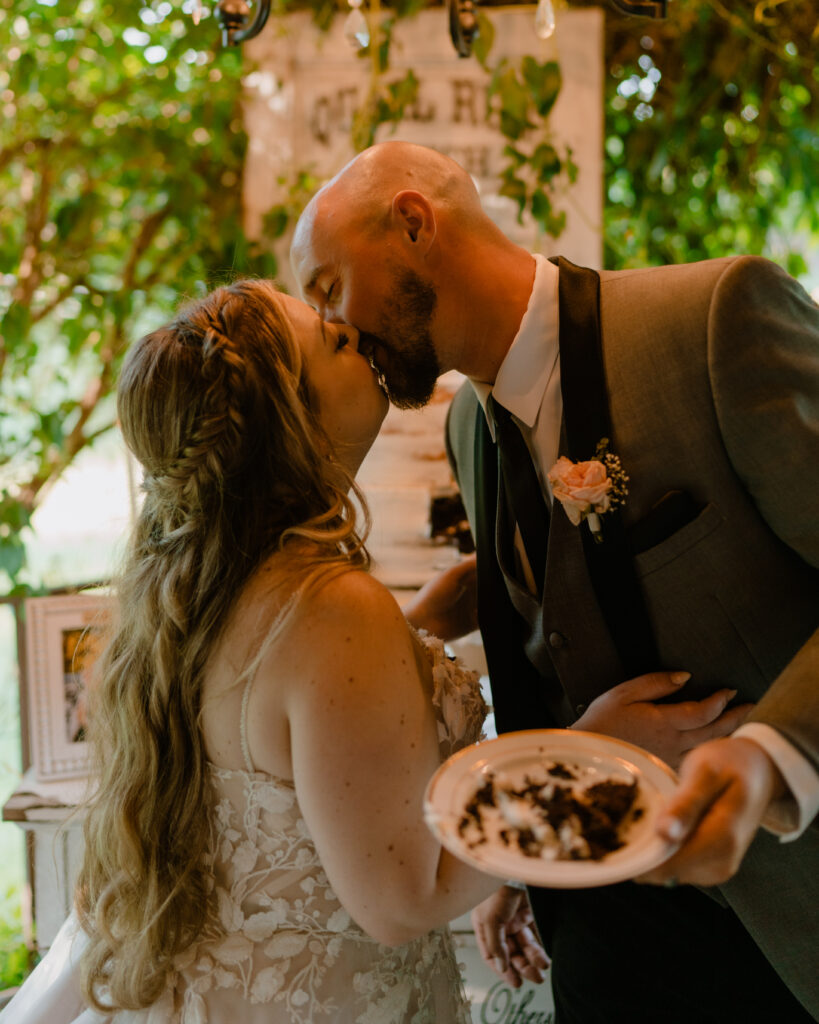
[64, 637]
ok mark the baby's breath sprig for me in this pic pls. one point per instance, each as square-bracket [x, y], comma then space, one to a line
[615, 471]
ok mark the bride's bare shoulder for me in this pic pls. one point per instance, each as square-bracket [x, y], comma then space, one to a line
[351, 602]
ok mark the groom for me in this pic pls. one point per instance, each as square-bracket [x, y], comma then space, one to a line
[703, 381]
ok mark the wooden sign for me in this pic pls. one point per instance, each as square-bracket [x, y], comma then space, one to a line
[306, 85]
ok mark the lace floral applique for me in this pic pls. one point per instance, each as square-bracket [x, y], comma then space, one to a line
[280, 948]
[456, 697]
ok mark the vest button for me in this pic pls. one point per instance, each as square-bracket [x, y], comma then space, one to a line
[556, 640]
[580, 709]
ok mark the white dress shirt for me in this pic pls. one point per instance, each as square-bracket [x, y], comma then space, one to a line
[528, 385]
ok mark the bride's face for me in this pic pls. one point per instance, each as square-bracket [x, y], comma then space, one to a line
[351, 405]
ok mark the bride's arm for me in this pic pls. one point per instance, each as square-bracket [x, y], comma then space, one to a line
[364, 745]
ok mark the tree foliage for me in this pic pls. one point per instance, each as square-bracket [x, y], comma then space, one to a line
[121, 151]
[712, 133]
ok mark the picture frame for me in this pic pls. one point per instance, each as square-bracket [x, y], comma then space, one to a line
[65, 635]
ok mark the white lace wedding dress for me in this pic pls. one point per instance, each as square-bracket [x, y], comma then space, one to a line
[282, 949]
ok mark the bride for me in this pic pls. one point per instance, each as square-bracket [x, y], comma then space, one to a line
[266, 721]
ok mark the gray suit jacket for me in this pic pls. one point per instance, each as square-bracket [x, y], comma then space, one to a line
[713, 379]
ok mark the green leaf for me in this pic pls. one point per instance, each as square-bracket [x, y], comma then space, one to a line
[12, 556]
[517, 156]
[514, 97]
[15, 324]
[512, 127]
[402, 93]
[483, 41]
[545, 162]
[556, 224]
[541, 207]
[50, 429]
[543, 81]
[514, 188]
[276, 221]
[796, 264]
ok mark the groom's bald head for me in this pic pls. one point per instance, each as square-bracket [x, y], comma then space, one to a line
[398, 245]
[361, 195]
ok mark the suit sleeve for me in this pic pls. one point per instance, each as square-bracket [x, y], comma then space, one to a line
[764, 365]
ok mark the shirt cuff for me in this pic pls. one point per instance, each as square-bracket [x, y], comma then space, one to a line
[789, 816]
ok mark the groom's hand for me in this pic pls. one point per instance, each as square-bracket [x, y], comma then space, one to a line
[629, 712]
[505, 932]
[725, 789]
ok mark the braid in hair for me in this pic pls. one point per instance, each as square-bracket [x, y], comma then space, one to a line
[215, 407]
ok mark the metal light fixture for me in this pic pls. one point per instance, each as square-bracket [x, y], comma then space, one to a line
[463, 25]
[643, 8]
[236, 24]
[233, 17]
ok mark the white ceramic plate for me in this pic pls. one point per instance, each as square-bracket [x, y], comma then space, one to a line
[515, 754]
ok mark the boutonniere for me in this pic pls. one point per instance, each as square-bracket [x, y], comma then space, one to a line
[587, 490]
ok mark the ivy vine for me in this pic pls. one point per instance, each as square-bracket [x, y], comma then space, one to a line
[521, 96]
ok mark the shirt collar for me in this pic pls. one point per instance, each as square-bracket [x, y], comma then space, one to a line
[521, 380]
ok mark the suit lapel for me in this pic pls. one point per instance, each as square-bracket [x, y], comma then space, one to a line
[587, 420]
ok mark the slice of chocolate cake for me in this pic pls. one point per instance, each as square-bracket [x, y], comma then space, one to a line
[558, 812]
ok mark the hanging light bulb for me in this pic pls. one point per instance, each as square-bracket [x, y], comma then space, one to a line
[356, 29]
[544, 19]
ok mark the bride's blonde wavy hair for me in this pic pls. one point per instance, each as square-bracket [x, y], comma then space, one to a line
[217, 408]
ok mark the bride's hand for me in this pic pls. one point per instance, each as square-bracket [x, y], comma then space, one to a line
[504, 931]
[628, 712]
[447, 606]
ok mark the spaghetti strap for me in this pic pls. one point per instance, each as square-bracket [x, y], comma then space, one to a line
[243, 726]
[284, 611]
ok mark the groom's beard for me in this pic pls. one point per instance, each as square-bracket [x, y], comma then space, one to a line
[403, 350]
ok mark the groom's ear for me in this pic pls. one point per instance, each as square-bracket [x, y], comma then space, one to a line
[414, 217]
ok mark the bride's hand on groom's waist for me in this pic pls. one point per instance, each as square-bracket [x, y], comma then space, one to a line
[629, 711]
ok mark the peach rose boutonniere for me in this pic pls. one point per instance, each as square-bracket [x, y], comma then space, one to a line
[587, 490]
